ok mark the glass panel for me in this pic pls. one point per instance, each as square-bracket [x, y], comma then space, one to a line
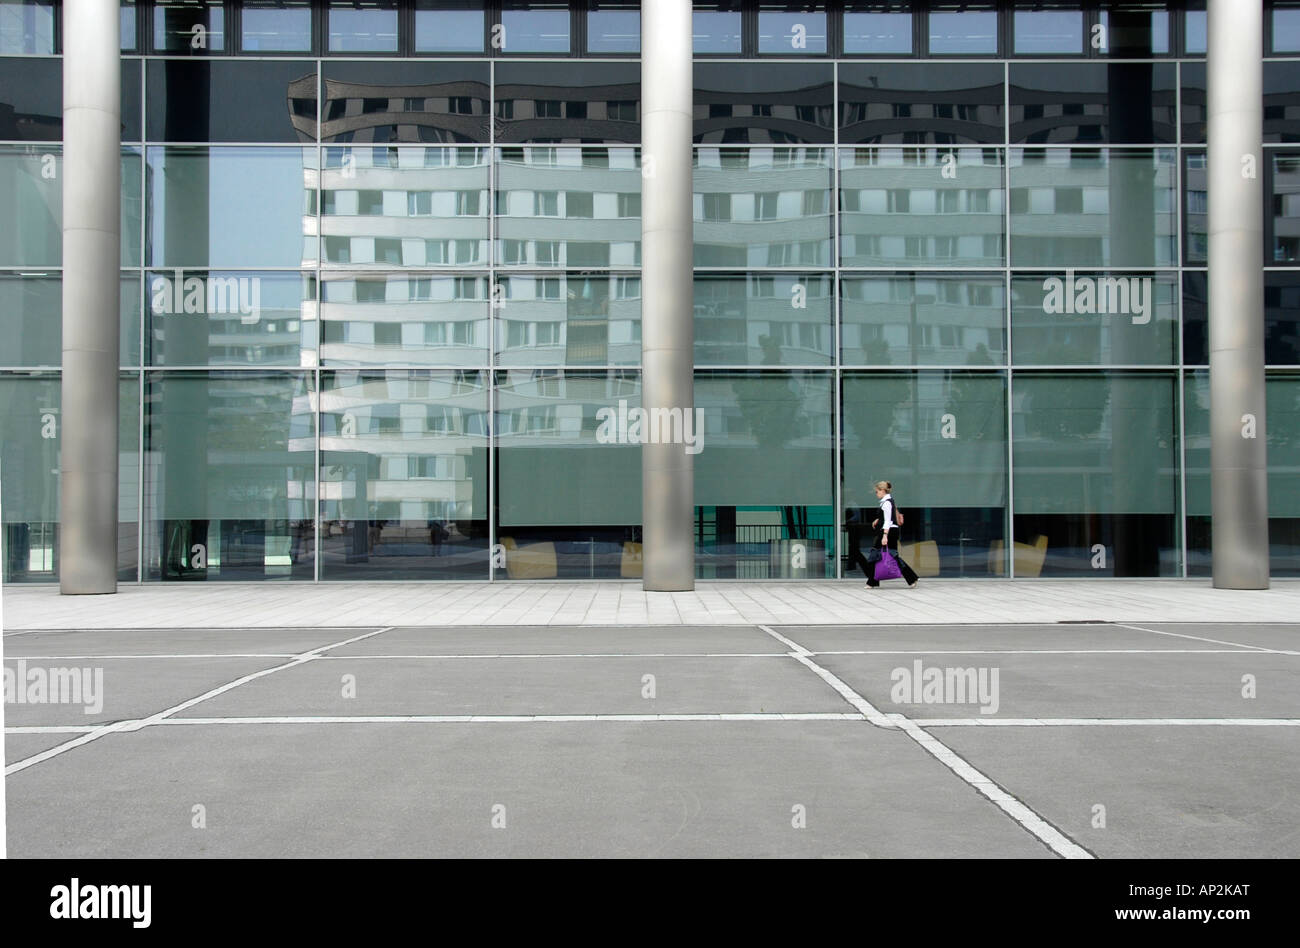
[1092, 102]
[1194, 32]
[26, 26]
[1049, 31]
[941, 439]
[923, 319]
[1096, 474]
[792, 29]
[534, 27]
[568, 478]
[1194, 102]
[568, 103]
[1090, 318]
[404, 475]
[128, 477]
[921, 103]
[232, 207]
[449, 27]
[275, 26]
[614, 27]
[29, 460]
[921, 207]
[31, 202]
[231, 101]
[363, 26]
[763, 207]
[189, 26]
[126, 25]
[764, 476]
[764, 319]
[1196, 235]
[386, 207]
[1281, 318]
[31, 319]
[404, 319]
[1285, 204]
[1131, 33]
[31, 97]
[963, 29]
[568, 319]
[230, 481]
[882, 30]
[1281, 100]
[716, 28]
[1286, 29]
[387, 102]
[1094, 208]
[219, 317]
[568, 207]
[781, 103]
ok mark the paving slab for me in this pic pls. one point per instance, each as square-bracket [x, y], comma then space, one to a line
[1057, 636]
[1279, 635]
[179, 641]
[21, 746]
[680, 789]
[571, 640]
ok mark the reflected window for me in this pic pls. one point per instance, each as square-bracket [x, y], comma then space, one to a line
[127, 25]
[921, 103]
[392, 102]
[877, 29]
[27, 26]
[363, 26]
[569, 319]
[241, 101]
[442, 27]
[1196, 203]
[535, 28]
[763, 318]
[764, 103]
[963, 29]
[1072, 103]
[31, 98]
[276, 26]
[568, 102]
[792, 29]
[1131, 32]
[923, 319]
[613, 27]
[1048, 31]
[1285, 202]
[716, 28]
[189, 26]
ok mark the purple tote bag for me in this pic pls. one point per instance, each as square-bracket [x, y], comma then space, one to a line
[887, 568]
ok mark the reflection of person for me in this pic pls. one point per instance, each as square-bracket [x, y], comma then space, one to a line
[438, 535]
[856, 526]
[887, 533]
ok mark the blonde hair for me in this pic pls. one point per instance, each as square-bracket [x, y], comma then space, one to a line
[884, 485]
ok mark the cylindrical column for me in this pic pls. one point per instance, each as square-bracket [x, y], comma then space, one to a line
[667, 318]
[91, 253]
[1238, 455]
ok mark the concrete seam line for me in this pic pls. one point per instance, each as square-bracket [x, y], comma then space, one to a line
[1043, 831]
[136, 725]
[1199, 638]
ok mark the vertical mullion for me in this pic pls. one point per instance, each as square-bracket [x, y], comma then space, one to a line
[1009, 547]
[837, 438]
[491, 375]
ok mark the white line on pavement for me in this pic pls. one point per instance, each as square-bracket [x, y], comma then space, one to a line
[1199, 638]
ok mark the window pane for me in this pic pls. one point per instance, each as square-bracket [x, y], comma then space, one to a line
[1285, 202]
[763, 207]
[31, 98]
[1194, 32]
[126, 25]
[568, 479]
[763, 319]
[764, 476]
[404, 319]
[569, 103]
[969, 31]
[764, 103]
[878, 32]
[1049, 31]
[568, 207]
[276, 26]
[614, 27]
[26, 26]
[1281, 100]
[232, 207]
[1092, 102]
[1132, 33]
[231, 101]
[1196, 202]
[404, 475]
[921, 207]
[569, 319]
[941, 439]
[791, 29]
[442, 27]
[1095, 460]
[1194, 100]
[921, 103]
[924, 319]
[1281, 318]
[29, 456]
[716, 28]
[363, 26]
[1071, 318]
[31, 319]
[385, 102]
[189, 26]
[535, 27]
[1095, 208]
[1286, 30]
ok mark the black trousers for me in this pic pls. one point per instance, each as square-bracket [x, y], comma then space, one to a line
[856, 556]
[909, 576]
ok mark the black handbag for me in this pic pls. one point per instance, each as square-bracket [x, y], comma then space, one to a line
[873, 555]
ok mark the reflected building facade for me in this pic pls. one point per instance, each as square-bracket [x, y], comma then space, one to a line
[381, 288]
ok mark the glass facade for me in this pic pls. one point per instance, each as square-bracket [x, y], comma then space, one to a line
[380, 298]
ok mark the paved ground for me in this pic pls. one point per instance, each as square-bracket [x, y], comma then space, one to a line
[674, 740]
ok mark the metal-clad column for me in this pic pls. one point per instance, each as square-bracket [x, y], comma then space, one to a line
[1238, 455]
[91, 251]
[667, 318]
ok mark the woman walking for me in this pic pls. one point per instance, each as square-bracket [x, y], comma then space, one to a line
[887, 535]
